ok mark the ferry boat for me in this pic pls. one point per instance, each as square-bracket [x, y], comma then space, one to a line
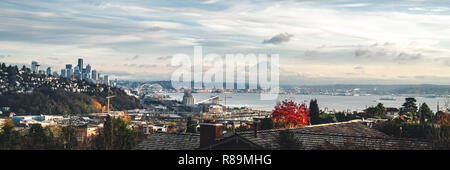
[387, 98]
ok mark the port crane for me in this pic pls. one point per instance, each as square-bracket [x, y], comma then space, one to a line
[109, 97]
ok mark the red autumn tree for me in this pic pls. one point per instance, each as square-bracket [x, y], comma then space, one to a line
[289, 114]
[444, 120]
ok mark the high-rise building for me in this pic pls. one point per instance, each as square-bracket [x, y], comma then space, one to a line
[76, 73]
[69, 70]
[49, 71]
[106, 79]
[83, 74]
[80, 64]
[63, 72]
[94, 74]
[55, 74]
[34, 67]
[88, 69]
[69, 73]
[88, 72]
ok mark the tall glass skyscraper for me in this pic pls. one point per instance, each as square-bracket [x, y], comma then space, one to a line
[63, 72]
[88, 69]
[33, 66]
[49, 71]
[80, 64]
[69, 70]
[106, 79]
[94, 74]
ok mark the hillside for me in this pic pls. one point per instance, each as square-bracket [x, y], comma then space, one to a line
[30, 93]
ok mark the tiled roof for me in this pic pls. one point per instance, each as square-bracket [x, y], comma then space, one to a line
[344, 135]
[170, 141]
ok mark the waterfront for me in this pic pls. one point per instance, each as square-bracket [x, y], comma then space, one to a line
[354, 103]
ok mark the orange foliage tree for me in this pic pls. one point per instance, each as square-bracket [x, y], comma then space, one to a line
[289, 114]
[96, 105]
[126, 118]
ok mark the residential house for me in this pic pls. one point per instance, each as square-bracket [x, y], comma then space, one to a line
[392, 112]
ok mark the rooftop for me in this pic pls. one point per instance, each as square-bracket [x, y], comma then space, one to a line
[344, 135]
[170, 141]
[335, 136]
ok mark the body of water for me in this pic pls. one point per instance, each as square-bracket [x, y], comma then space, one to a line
[341, 103]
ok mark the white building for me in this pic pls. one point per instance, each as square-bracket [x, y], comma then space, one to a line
[188, 99]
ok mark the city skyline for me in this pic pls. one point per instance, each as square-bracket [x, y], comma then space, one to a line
[342, 42]
[86, 73]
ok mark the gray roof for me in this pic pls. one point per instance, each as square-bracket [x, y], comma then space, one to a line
[170, 141]
[346, 135]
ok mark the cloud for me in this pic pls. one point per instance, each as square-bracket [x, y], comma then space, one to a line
[164, 57]
[430, 9]
[53, 58]
[354, 5]
[403, 57]
[280, 38]
[153, 29]
[445, 61]
[207, 1]
[370, 53]
[106, 31]
[130, 65]
[388, 52]
[140, 65]
[359, 53]
[147, 65]
[416, 9]
[5, 56]
[311, 53]
[135, 57]
[358, 68]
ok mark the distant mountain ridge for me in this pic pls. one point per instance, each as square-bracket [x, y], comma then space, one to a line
[426, 89]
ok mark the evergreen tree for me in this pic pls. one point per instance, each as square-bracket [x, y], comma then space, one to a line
[425, 113]
[378, 111]
[190, 125]
[409, 107]
[314, 112]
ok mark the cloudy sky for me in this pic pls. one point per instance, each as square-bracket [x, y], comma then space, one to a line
[319, 42]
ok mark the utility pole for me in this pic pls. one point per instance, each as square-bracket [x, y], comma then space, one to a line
[111, 119]
[225, 97]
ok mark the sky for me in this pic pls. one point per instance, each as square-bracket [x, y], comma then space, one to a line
[319, 42]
